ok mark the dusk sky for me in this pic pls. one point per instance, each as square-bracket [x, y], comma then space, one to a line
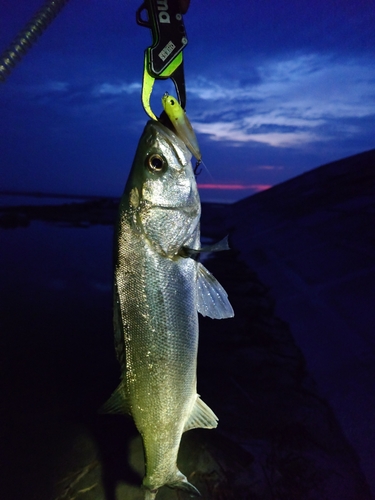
[274, 88]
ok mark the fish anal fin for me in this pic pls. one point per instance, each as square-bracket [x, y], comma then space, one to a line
[117, 403]
[212, 298]
[201, 417]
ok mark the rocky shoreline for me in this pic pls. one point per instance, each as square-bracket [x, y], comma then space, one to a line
[277, 438]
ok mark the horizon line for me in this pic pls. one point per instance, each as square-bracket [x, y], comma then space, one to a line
[40, 194]
[235, 187]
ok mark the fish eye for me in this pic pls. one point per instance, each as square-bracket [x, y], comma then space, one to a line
[155, 162]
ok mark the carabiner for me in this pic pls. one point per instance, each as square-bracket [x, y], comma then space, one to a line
[163, 59]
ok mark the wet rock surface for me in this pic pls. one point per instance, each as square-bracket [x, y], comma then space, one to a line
[311, 240]
[276, 439]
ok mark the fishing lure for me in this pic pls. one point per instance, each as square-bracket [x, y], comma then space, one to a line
[181, 124]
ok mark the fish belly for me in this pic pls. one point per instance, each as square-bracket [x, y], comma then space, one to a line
[157, 298]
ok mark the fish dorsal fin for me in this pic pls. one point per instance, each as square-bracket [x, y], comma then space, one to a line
[212, 298]
[117, 403]
[201, 417]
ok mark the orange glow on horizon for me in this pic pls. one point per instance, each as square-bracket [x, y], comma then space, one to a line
[234, 187]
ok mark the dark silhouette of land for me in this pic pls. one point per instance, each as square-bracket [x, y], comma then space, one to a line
[275, 375]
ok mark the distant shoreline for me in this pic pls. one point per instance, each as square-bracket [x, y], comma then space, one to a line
[38, 194]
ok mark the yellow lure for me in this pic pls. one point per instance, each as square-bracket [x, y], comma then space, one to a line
[181, 123]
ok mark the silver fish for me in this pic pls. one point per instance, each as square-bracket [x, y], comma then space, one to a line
[158, 291]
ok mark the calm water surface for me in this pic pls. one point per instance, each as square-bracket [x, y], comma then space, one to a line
[56, 309]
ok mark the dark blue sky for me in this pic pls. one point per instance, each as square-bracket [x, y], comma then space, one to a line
[274, 88]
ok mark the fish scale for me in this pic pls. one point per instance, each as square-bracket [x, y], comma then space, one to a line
[158, 291]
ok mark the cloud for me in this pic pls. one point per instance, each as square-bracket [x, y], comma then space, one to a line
[55, 86]
[41, 89]
[234, 132]
[295, 101]
[267, 167]
[117, 88]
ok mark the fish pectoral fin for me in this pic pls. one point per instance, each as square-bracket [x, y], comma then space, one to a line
[220, 246]
[201, 417]
[212, 298]
[117, 403]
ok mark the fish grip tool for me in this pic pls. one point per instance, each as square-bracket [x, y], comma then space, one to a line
[163, 59]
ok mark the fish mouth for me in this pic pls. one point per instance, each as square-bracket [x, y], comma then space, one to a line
[161, 128]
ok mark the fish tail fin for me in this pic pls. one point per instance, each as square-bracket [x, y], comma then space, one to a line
[176, 480]
[150, 495]
[180, 482]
